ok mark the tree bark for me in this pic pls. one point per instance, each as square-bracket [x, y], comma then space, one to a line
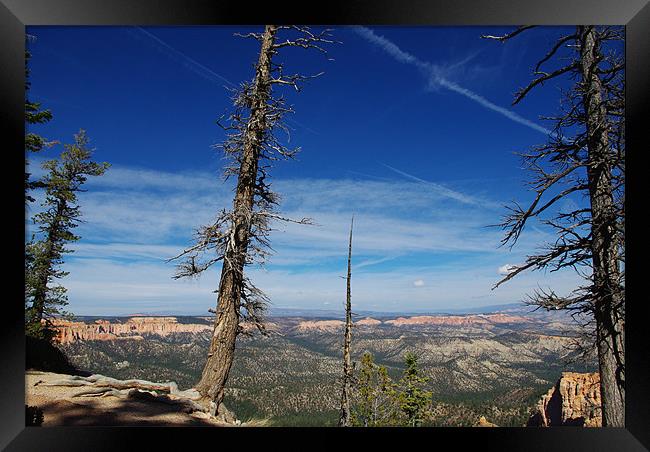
[222, 345]
[345, 418]
[45, 270]
[608, 297]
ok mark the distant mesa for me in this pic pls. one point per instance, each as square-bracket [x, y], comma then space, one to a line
[332, 325]
[573, 401]
[319, 325]
[368, 321]
[133, 328]
[461, 320]
[138, 326]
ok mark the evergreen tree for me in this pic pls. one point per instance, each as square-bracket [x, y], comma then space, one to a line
[54, 229]
[375, 395]
[34, 114]
[413, 399]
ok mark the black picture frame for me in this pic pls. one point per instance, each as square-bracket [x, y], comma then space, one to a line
[16, 14]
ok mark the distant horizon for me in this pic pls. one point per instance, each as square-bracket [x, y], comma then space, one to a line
[282, 311]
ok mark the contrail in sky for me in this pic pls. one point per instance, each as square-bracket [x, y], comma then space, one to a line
[439, 188]
[434, 73]
[449, 193]
[189, 63]
[202, 70]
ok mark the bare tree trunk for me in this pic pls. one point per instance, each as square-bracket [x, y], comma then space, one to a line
[38, 305]
[608, 297]
[345, 419]
[222, 346]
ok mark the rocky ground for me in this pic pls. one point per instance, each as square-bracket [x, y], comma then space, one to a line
[71, 400]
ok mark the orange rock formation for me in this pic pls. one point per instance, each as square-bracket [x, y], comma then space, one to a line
[456, 319]
[482, 422]
[574, 400]
[134, 328]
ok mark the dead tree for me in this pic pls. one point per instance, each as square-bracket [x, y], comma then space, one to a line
[584, 155]
[345, 419]
[240, 237]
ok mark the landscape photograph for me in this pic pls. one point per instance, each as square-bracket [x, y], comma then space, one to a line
[313, 226]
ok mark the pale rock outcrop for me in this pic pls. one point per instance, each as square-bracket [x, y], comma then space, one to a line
[368, 321]
[574, 401]
[133, 328]
[320, 325]
[460, 320]
[482, 422]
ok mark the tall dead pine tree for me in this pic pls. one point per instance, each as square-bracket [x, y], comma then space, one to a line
[345, 419]
[585, 155]
[239, 237]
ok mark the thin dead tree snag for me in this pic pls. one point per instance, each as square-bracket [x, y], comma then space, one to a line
[585, 155]
[240, 237]
[345, 419]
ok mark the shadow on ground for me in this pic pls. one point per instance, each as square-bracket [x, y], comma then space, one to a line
[41, 354]
[122, 412]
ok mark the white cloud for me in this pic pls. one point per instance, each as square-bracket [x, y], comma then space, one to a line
[137, 219]
[506, 269]
[145, 208]
[100, 287]
[129, 251]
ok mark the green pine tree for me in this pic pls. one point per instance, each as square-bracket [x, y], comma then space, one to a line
[375, 395]
[413, 399]
[34, 114]
[54, 225]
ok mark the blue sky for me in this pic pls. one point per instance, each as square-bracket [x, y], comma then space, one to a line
[410, 129]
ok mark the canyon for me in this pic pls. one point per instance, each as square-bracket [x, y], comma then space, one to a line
[497, 365]
[137, 326]
[134, 328]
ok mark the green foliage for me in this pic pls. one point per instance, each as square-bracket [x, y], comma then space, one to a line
[413, 399]
[305, 419]
[34, 114]
[373, 401]
[54, 226]
[378, 401]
